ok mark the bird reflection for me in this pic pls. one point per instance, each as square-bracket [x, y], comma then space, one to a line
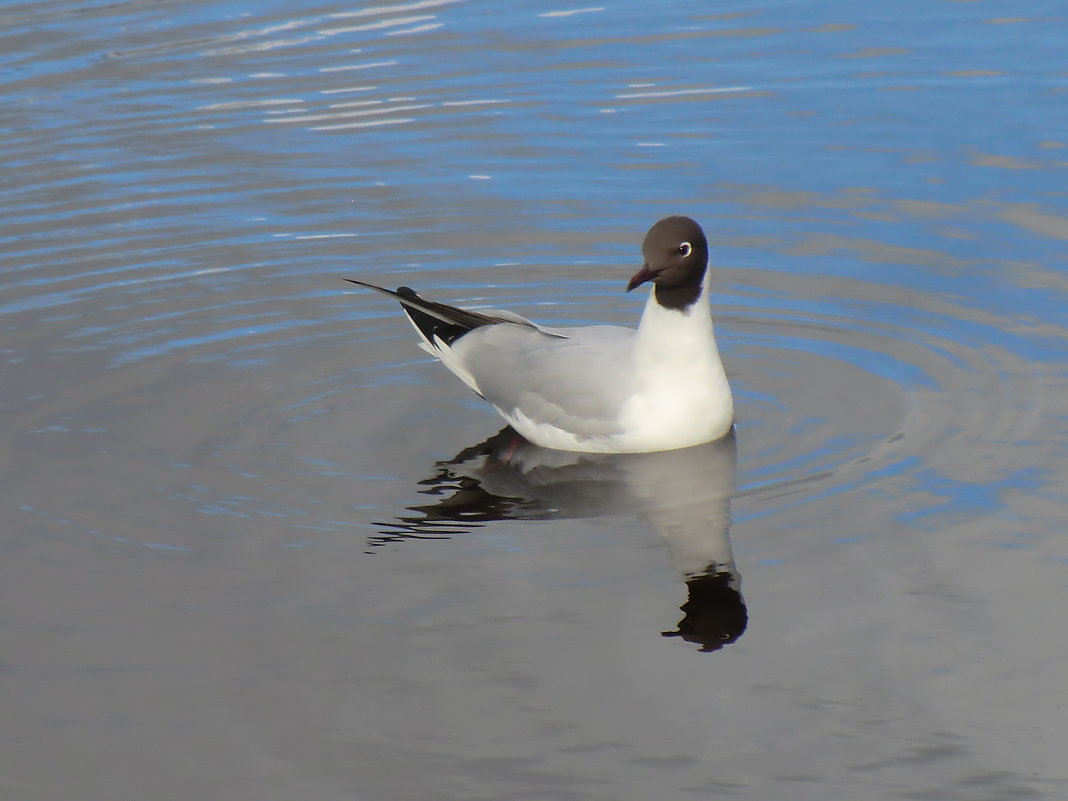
[684, 494]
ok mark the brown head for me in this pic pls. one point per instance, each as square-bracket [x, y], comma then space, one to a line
[676, 256]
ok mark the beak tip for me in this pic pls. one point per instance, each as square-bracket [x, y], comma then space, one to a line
[640, 277]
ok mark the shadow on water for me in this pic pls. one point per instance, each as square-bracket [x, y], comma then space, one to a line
[684, 495]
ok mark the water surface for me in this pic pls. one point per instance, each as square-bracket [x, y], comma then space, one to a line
[257, 545]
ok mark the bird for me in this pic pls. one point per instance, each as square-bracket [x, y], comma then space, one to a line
[597, 388]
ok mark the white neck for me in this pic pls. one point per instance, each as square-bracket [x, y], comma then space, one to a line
[678, 338]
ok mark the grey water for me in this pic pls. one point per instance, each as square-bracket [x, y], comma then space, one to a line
[256, 545]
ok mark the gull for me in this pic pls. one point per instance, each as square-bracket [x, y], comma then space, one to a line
[597, 388]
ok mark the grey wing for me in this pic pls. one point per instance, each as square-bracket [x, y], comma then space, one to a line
[576, 379]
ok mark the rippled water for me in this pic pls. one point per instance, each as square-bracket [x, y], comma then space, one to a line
[258, 546]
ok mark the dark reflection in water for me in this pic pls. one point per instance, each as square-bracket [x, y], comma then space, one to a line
[714, 614]
[684, 495]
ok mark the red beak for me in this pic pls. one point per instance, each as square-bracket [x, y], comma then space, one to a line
[640, 277]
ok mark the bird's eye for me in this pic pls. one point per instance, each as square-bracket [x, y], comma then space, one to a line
[684, 249]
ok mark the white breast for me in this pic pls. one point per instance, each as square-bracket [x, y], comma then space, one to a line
[683, 398]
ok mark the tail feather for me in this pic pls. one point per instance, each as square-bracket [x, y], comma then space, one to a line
[434, 321]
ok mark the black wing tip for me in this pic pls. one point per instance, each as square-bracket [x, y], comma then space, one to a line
[365, 285]
[402, 291]
[435, 321]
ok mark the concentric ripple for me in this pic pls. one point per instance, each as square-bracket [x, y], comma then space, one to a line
[881, 394]
[865, 390]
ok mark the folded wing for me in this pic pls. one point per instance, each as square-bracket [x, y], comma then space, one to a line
[574, 379]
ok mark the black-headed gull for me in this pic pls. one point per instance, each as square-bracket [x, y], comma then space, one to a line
[598, 388]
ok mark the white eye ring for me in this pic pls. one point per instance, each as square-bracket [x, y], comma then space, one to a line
[685, 249]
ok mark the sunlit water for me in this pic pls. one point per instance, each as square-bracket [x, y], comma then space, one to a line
[257, 545]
